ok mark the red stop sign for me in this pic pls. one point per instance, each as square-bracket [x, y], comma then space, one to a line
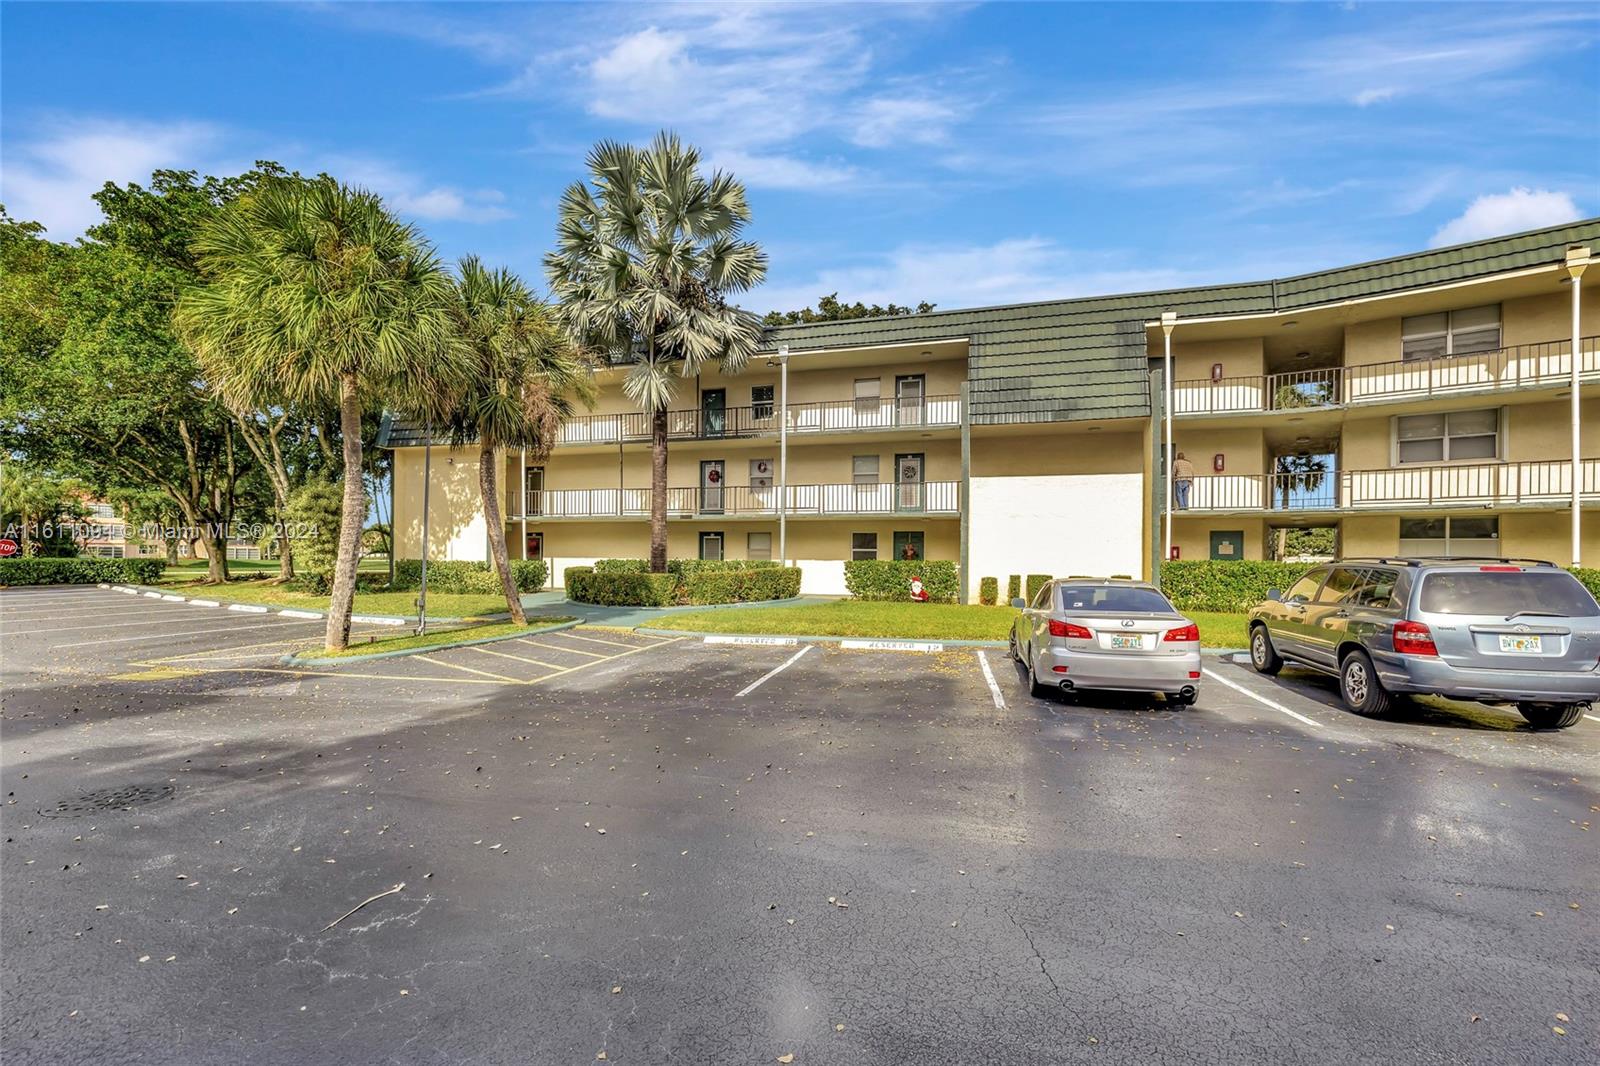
[8, 547]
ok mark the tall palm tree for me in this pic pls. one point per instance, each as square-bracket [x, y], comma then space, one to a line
[521, 379]
[318, 296]
[644, 264]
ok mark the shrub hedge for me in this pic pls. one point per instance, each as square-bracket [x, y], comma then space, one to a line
[628, 583]
[458, 575]
[988, 591]
[1231, 585]
[54, 570]
[1013, 587]
[1035, 583]
[619, 588]
[739, 585]
[1590, 577]
[890, 579]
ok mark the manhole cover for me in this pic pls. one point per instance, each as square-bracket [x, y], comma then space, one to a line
[125, 798]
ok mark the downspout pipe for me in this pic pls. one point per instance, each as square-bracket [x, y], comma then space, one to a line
[1577, 261]
[1169, 322]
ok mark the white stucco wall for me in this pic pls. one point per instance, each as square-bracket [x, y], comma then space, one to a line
[1062, 524]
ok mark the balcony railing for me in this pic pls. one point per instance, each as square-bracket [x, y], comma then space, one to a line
[1548, 363]
[927, 497]
[761, 420]
[1487, 484]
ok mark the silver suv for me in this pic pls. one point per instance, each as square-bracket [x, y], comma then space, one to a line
[1491, 630]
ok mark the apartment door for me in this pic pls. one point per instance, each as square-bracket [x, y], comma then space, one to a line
[533, 492]
[713, 412]
[712, 475]
[533, 546]
[910, 399]
[908, 482]
[711, 546]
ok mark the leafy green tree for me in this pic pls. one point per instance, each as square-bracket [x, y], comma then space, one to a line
[39, 510]
[312, 523]
[317, 297]
[646, 258]
[522, 378]
[830, 309]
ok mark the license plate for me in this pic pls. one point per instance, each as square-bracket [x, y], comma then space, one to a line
[1519, 644]
[1127, 643]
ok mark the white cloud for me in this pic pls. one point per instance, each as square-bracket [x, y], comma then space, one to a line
[1509, 212]
[50, 180]
[887, 121]
[772, 171]
[410, 195]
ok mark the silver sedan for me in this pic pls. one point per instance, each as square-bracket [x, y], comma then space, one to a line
[1109, 634]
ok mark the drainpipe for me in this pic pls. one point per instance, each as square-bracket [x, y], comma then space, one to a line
[783, 453]
[1577, 260]
[1169, 322]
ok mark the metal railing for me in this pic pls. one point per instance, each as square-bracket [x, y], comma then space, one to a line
[761, 420]
[924, 497]
[1518, 366]
[1489, 484]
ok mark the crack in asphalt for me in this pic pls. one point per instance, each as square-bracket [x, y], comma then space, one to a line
[1043, 967]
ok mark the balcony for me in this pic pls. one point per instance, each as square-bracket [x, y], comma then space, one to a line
[938, 498]
[1544, 365]
[1547, 483]
[761, 420]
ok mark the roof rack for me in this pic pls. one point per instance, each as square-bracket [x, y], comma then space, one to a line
[1420, 560]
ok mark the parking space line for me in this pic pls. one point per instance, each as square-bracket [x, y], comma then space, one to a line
[598, 640]
[1592, 718]
[1262, 699]
[508, 655]
[169, 636]
[80, 629]
[470, 670]
[574, 651]
[774, 672]
[988, 675]
[585, 666]
[548, 647]
[133, 611]
[218, 653]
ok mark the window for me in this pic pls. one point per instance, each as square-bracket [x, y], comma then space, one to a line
[1450, 536]
[1375, 589]
[758, 545]
[908, 545]
[1464, 332]
[1115, 599]
[101, 510]
[1341, 581]
[1302, 591]
[711, 546]
[761, 473]
[761, 401]
[864, 469]
[1537, 592]
[1442, 438]
[863, 546]
[1041, 599]
[868, 391]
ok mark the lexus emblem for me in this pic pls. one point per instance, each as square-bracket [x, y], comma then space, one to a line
[1522, 629]
[1127, 623]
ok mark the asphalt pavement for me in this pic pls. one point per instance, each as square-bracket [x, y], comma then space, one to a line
[603, 845]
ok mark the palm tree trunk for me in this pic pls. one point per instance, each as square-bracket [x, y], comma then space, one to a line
[658, 491]
[342, 602]
[488, 464]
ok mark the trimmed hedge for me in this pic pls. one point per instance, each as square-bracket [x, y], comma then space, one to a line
[54, 570]
[1013, 587]
[890, 579]
[1225, 585]
[619, 588]
[1590, 578]
[459, 575]
[704, 586]
[681, 567]
[1035, 583]
[988, 591]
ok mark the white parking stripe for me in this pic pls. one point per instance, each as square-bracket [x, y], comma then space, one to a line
[1263, 700]
[774, 672]
[1592, 718]
[181, 633]
[988, 675]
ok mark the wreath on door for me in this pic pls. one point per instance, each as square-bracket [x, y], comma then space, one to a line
[713, 476]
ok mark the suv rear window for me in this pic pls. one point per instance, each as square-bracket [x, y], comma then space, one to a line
[1494, 592]
[1116, 598]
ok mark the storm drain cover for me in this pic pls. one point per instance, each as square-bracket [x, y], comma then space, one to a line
[124, 798]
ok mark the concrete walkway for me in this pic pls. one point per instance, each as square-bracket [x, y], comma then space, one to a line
[555, 601]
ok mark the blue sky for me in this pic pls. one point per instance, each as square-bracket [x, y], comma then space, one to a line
[961, 153]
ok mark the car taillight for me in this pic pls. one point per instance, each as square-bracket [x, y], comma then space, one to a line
[1501, 569]
[1413, 638]
[1188, 632]
[1067, 629]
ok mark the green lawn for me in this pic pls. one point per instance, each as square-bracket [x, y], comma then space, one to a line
[188, 567]
[433, 638]
[910, 621]
[440, 604]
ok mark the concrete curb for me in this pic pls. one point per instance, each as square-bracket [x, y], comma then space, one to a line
[876, 643]
[245, 607]
[330, 660]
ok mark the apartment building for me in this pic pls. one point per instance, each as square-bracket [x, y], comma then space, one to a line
[1418, 404]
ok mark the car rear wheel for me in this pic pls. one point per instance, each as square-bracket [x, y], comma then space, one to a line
[1263, 656]
[1359, 685]
[1552, 715]
[1011, 650]
[1036, 690]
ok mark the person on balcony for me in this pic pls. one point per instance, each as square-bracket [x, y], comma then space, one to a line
[1182, 480]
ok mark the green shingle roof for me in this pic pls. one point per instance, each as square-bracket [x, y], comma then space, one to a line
[1063, 360]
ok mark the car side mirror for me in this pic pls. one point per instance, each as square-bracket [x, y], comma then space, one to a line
[1275, 595]
[1020, 604]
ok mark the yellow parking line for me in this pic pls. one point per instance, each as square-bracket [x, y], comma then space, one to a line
[613, 643]
[219, 653]
[519, 658]
[470, 670]
[573, 651]
[298, 672]
[585, 666]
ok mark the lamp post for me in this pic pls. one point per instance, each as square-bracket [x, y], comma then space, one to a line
[427, 469]
[1577, 260]
[782, 363]
[1169, 322]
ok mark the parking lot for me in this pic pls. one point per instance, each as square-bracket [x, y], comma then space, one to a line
[653, 848]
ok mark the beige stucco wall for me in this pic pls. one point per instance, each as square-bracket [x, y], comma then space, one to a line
[456, 527]
[1192, 535]
[1243, 449]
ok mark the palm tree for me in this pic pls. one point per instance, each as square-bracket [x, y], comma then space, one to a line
[644, 263]
[521, 379]
[317, 296]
